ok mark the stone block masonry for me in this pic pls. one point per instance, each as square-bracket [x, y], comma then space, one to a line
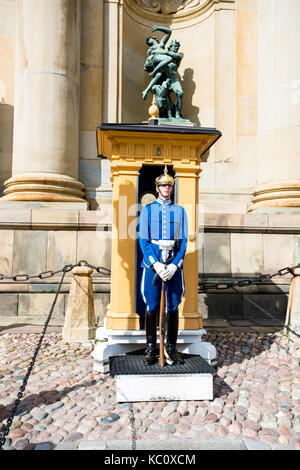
[231, 247]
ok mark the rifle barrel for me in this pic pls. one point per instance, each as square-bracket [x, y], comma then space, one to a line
[162, 325]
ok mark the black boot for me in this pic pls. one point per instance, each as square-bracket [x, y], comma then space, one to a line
[150, 354]
[172, 356]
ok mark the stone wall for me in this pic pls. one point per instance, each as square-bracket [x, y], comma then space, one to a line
[35, 241]
[231, 246]
[246, 246]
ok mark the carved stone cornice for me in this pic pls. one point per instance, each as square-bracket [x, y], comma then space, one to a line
[167, 7]
[164, 10]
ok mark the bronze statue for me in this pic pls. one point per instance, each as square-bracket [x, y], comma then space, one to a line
[162, 64]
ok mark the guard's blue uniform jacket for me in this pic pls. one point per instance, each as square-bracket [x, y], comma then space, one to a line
[162, 220]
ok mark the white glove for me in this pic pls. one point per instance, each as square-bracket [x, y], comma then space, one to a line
[161, 270]
[171, 268]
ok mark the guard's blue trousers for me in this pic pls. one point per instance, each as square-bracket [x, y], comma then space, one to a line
[151, 290]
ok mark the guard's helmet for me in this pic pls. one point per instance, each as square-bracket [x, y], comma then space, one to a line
[165, 178]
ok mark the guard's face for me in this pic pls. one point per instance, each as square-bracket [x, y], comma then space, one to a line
[165, 190]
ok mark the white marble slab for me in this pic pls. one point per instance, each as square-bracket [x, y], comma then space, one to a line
[169, 387]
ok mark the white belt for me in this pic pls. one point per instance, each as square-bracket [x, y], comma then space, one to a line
[164, 244]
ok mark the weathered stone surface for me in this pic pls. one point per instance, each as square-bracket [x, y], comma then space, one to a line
[15, 218]
[17, 433]
[40, 304]
[76, 398]
[61, 249]
[95, 247]
[217, 253]
[44, 446]
[278, 251]
[101, 302]
[9, 304]
[29, 252]
[92, 445]
[21, 444]
[54, 218]
[246, 253]
[80, 313]
[6, 251]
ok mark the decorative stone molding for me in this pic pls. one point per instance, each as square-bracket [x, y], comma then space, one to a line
[161, 10]
[43, 187]
[276, 194]
[167, 7]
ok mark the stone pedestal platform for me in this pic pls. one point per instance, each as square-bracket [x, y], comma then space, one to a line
[192, 380]
[117, 342]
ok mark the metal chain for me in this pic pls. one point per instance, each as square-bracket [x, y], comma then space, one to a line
[248, 282]
[25, 380]
[48, 274]
[268, 313]
[245, 282]
[44, 275]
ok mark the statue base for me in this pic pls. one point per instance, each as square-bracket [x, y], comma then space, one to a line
[181, 121]
[170, 122]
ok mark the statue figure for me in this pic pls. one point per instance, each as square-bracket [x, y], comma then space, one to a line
[162, 64]
[162, 99]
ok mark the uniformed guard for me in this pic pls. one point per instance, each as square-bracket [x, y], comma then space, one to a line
[163, 240]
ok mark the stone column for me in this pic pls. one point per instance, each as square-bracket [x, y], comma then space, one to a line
[112, 60]
[278, 164]
[47, 89]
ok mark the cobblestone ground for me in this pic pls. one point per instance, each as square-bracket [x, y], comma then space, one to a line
[66, 403]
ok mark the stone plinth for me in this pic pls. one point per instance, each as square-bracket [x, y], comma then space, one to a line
[131, 388]
[80, 315]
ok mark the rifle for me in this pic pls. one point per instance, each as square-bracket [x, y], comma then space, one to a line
[165, 246]
[162, 319]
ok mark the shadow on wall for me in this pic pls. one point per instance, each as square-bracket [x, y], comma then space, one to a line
[6, 143]
[189, 86]
[226, 258]
[263, 304]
